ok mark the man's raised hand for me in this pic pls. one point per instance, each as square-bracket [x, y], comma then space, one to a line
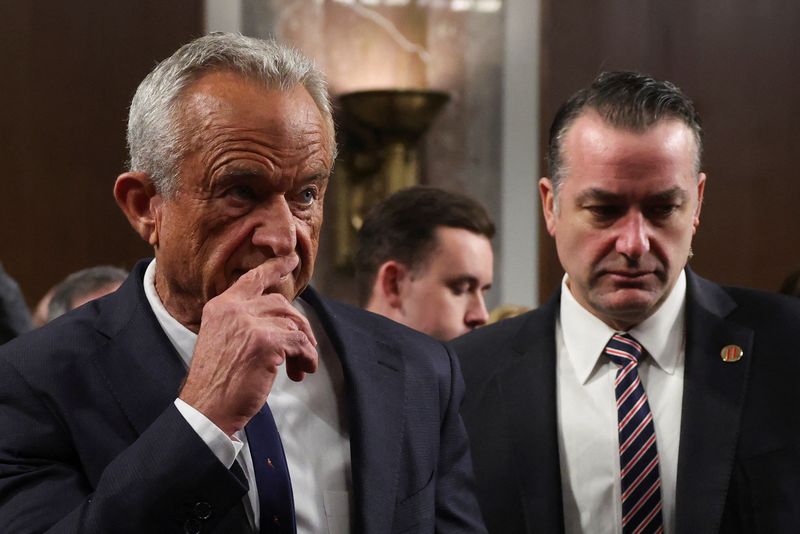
[246, 333]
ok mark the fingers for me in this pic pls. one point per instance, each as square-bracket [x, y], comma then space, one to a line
[300, 355]
[302, 323]
[255, 281]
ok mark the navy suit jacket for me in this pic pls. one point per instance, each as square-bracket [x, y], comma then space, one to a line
[91, 442]
[739, 457]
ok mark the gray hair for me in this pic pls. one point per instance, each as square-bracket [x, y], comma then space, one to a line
[80, 284]
[626, 100]
[155, 140]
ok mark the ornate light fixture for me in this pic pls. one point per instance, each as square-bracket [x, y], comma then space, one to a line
[379, 154]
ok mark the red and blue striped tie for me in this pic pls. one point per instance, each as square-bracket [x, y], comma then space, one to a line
[638, 455]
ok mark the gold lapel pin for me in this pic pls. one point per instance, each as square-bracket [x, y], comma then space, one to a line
[731, 353]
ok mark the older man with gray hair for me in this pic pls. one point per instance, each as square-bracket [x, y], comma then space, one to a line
[215, 391]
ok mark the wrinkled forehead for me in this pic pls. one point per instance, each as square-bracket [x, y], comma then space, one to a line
[231, 100]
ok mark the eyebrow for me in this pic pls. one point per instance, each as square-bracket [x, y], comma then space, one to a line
[596, 194]
[676, 194]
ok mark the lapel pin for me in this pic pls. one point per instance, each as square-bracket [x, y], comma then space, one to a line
[731, 353]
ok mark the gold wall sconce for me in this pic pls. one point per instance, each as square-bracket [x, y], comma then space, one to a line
[381, 130]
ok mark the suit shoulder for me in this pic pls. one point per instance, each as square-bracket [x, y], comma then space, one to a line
[494, 336]
[416, 349]
[54, 345]
[377, 325]
[756, 306]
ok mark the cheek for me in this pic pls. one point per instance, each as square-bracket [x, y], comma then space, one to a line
[582, 248]
[225, 244]
[308, 232]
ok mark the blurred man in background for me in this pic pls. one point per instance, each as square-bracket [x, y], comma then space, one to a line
[82, 286]
[424, 259]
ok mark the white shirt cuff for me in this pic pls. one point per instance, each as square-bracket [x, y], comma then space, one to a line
[223, 447]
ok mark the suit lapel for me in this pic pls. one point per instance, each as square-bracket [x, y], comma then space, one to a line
[375, 396]
[528, 388]
[139, 364]
[713, 396]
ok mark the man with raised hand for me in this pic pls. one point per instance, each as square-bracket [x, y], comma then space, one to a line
[215, 391]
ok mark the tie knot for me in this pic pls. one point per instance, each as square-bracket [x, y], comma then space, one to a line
[623, 350]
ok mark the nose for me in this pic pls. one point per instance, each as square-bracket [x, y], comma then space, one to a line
[476, 312]
[275, 228]
[633, 240]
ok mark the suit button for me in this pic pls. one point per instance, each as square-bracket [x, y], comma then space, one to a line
[202, 510]
[192, 526]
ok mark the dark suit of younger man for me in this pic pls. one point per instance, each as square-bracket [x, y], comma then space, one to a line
[91, 442]
[739, 456]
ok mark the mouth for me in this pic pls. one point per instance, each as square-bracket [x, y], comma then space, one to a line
[628, 278]
[278, 286]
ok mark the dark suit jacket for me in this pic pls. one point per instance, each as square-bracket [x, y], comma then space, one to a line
[739, 458]
[91, 442]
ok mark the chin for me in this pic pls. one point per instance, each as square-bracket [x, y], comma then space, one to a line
[631, 313]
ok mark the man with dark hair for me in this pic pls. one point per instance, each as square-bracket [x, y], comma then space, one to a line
[215, 391]
[424, 259]
[641, 397]
[82, 286]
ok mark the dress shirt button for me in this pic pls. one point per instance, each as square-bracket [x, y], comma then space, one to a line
[192, 526]
[202, 510]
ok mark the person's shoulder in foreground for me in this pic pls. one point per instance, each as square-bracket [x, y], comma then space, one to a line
[30, 383]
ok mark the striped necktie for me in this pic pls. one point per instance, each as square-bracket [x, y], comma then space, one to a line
[275, 500]
[638, 455]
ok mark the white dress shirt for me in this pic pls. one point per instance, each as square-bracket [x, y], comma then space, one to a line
[588, 440]
[310, 416]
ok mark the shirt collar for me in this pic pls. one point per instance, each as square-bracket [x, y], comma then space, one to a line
[661, 334]
[181, 337]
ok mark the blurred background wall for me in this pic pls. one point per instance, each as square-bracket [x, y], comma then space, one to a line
[71, 68]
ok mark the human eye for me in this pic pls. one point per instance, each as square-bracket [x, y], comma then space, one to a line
[307, 196]
[604, 212]
[661, 211]
[460, 287]
[240, 193]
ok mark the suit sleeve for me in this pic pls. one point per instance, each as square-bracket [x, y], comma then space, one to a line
[164, 481]
[457, 508]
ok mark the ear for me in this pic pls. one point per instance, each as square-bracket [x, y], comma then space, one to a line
[388, 283]
[701, 187]
[548, 197]
[137, 198]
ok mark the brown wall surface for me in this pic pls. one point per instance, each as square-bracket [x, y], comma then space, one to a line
[738, 61]
[69, 71]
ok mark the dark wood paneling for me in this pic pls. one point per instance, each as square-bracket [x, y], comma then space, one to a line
[738, 60]
[69, 71]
